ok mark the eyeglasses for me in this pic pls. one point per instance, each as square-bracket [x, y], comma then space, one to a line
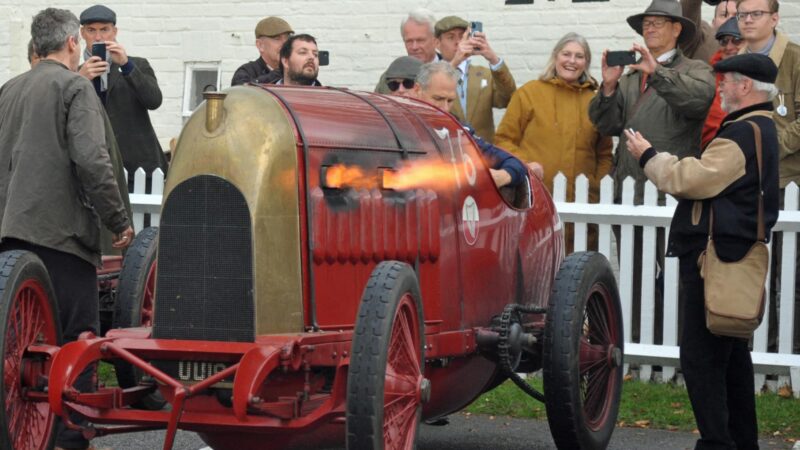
[395, 85]
[724, 41]
[655, 23]
[755, 15]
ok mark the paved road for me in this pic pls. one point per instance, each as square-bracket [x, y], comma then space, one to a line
[474, 432]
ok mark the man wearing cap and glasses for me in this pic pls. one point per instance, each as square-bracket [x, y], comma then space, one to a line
[730, 43]
[479, 88]
[271, 33]
[401, 76]
[728, 177]
[758, 20]
[704, 43]
[666, 96]
[128, 88]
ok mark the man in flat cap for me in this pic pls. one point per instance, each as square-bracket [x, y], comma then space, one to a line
[128, 88]
[703, 44]
[401, 76]
[480, 88]
[666, 96]
[730, 43]
[271, 34]
[758, 21]
[416, 29]
[718, 370]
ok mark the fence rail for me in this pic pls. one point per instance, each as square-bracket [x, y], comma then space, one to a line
[651, 216]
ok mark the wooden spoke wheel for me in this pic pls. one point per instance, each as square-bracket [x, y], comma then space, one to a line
[583, 353]
[27, 317]
[135, 304]
[385, 384]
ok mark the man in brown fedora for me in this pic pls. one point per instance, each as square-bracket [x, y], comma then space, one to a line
[665, 96]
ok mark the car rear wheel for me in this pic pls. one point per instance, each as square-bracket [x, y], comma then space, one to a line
[385, 383]
[27, 317]
[583, 353]
[135, 303]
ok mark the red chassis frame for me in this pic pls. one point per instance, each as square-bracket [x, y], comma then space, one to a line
[251, 365]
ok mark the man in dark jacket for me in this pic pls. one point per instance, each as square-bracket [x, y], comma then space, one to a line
[271, 34]
[128, 88]
[299, 62]
[725, 178]
[59, 183]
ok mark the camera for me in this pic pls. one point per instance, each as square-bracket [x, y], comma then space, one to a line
[99, 49]
[620, 58]
[324, 58]
[475, 27]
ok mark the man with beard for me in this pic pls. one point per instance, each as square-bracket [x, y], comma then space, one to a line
[300, 61]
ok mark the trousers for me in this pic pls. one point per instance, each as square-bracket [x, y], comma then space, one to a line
[718, 372]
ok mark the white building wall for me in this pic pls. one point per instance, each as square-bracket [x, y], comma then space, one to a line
[362, 36]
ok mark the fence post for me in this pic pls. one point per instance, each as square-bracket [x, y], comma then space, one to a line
[670, 324]
[648, 273]
[157, 189]
[581, 196]
[626, 263]
[604, 230]
[139, 181]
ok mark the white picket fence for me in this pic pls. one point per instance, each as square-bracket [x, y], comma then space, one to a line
[644, 354]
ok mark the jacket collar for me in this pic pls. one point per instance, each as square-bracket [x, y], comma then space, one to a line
[589, 83]
[760, 109]
[672, 62]
[779, 48]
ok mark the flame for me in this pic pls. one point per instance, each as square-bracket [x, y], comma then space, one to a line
[430, 174]
[435, 175]
[341, 176]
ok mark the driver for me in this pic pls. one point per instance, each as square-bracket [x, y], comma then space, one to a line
[436, 84]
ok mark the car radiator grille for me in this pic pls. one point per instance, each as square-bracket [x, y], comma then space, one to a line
[204, 289]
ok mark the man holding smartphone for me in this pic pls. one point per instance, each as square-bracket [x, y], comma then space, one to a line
[271, 34]
[665, 96]
[480, 88]
[128, 88]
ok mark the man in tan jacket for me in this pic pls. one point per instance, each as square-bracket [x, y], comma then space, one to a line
[479, 88]
[758, 20]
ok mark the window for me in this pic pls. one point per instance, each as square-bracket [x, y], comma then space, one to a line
[199, 77]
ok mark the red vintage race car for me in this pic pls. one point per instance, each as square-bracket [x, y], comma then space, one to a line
[333, 267]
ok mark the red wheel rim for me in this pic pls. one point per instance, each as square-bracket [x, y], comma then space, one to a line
[30, 321]
[147, 297]
[402, 386]
[600, 357]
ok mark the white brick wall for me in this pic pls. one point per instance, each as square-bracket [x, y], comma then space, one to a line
[362, 36]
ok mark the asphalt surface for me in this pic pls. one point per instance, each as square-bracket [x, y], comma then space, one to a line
[466, 432]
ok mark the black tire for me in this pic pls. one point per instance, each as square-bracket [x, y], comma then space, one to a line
[135, 304]
[583, 353]
[390, 313]
[27, 315]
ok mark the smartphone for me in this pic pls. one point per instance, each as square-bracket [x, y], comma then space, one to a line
[99, 49]
[324, 58]
[620, 58]
[475, 27]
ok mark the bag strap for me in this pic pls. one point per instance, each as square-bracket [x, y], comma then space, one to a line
[760, 234]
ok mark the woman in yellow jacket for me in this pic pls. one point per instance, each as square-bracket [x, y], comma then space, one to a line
[547, 122]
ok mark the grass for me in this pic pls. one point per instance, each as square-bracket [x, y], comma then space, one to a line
[648, 405]
[645, 405]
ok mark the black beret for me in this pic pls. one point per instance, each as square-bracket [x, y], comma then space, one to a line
[98, 14]
[751, 65]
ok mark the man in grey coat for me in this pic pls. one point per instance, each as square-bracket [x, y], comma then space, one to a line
[665, 95]
[59, 183]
